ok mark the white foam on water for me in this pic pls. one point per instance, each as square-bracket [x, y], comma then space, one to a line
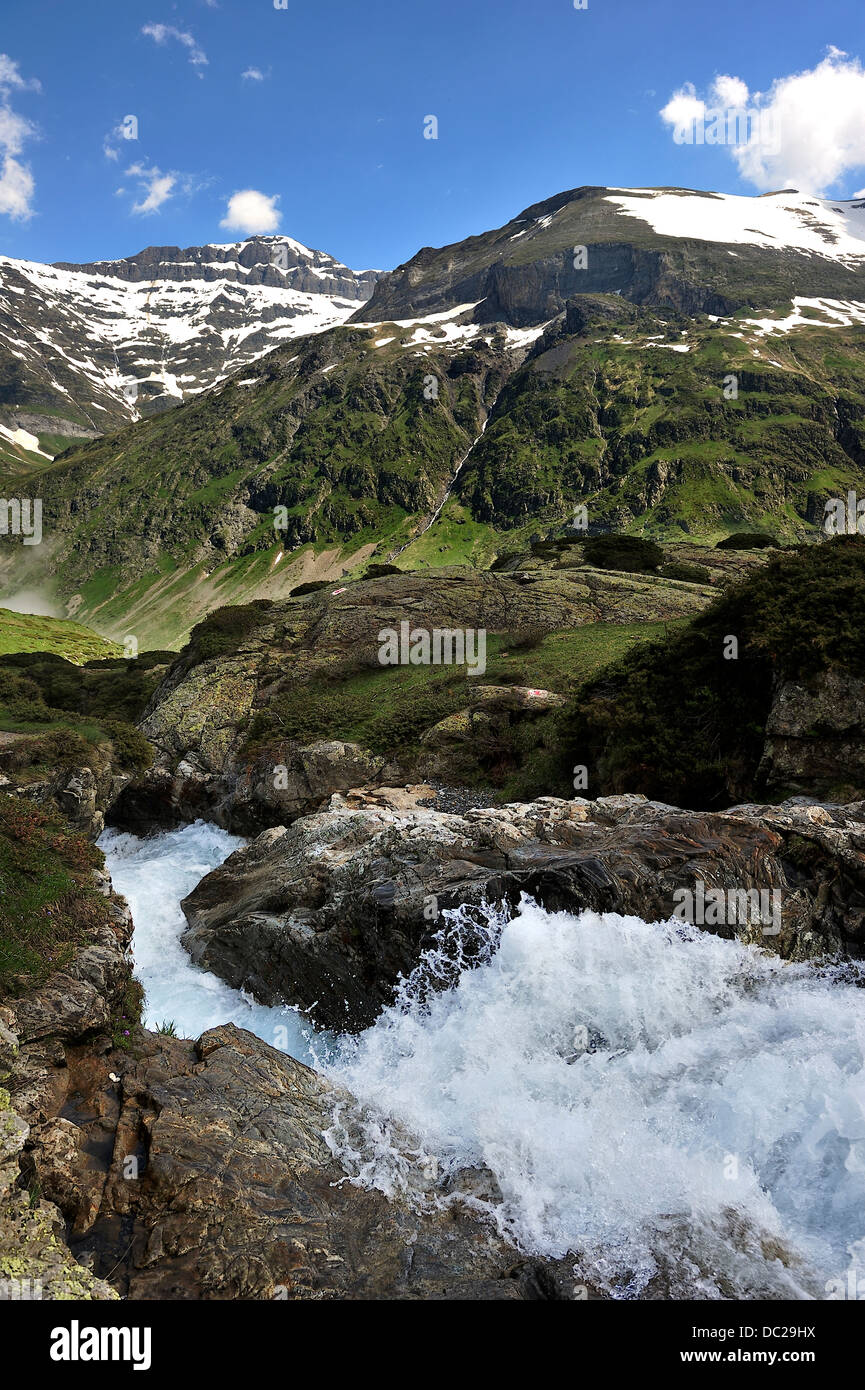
[154, 874]
[711, 1134]
[676, 1112]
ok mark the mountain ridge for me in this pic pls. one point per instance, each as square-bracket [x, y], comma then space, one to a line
[489, 404]
[625, 253]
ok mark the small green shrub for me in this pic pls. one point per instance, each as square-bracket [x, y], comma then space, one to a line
[59, 748]
[131, 748]
[50, 904]
[314, 586]
[746, 540]
[691, 574]
[222, 632]
[127, 1016]
[629, 553]
[523, 639]
[379, 571]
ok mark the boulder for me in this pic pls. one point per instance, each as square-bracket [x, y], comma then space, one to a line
[515, 697]
[220, 1172]
[327, 914]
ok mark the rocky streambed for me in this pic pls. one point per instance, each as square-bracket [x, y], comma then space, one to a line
[530, 1081]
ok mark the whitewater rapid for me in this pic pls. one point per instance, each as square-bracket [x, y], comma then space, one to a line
[685, 1112]
[674, 1106]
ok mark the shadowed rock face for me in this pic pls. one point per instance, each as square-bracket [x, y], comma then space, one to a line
[35, 1263]
[524, 295]
[815, 736]
[327, 914]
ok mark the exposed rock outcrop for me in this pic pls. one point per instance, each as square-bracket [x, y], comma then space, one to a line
[815, 736]
[202, 1170]
[35, 1262]
[51, 1021]
[82, 794]
[221, 1184]
[199, 716]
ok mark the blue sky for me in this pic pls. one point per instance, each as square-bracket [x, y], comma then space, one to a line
[531, 97]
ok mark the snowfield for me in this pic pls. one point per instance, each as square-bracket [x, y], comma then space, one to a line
[793, 220]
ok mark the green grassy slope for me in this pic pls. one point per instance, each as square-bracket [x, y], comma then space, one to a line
[624, 410]
[27, 632]
[631, 419]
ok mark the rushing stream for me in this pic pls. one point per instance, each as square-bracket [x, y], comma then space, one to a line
[670, 1104]
[154, 875]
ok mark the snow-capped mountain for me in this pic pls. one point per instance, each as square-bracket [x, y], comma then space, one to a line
[85, 349]
[695, 251]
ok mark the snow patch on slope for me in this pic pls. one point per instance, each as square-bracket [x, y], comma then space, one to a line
[836, 313]
[791, 220]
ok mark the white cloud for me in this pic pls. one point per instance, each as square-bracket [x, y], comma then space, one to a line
[683, 107]
[16, 181]
[729, 91]
[811, 128]
[127, 129]
[11, 79]
[14, 130]
[16, 189]
[163, 32]
[251, 212]
[155, 186]
[253, 74]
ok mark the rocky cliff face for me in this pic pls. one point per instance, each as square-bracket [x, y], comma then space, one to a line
[277, 261]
